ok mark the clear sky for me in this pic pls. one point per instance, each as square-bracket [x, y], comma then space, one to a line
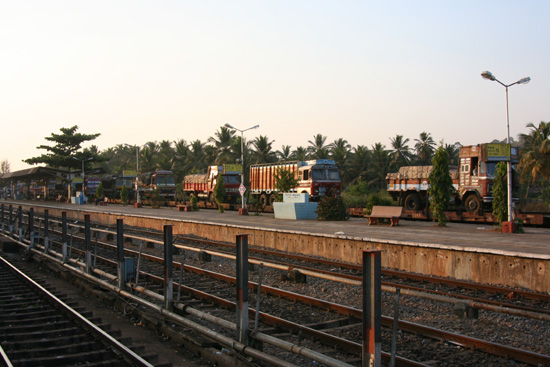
[138, 71]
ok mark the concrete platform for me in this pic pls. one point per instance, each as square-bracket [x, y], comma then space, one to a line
[463, 251]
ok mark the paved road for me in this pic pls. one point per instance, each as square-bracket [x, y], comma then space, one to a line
[462, 236]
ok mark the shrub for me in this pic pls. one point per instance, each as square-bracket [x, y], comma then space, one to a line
[331, 208]
[194, 205]
[500, 193]
[124, 195]
[380, 198]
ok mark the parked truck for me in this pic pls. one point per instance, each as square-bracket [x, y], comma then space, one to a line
[202, 185]
[318, 177]
[472, 180]
[163, 182]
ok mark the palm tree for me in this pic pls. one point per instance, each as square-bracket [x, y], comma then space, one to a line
[340, 153]
[453, 150]
[358, 163]
[535, 161]
[263, 152]
[285, 154]
[222, 141]
[317, 148]
[425, 147]
[195, 160]
[148, 157]
[300, 154]
[380, 164]
[401, 154]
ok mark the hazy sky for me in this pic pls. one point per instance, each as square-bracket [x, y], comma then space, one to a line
[138, 71]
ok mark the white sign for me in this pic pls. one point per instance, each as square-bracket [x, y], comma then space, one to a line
[242, 189]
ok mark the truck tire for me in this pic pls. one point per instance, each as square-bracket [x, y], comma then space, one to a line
[472, 204]
[272, 199]
[411, 202]
[263, 200]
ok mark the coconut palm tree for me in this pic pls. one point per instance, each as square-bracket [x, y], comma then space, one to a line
[379, 165]
[285, 154]
[317, 148]
[401, 153]
[195, 161]
[453, 150]
[222, 141]
[300, 154]
[358, 164]
[535, 160]
[340, 153]
[425, 147]
[263, 152]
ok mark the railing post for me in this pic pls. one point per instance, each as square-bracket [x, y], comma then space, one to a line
[2, 211]
[242, 288]
[120, 248]
[20, 223]
[168, 281]
[10, 226]
[64, 235]
[88, 238]
[31, 229]
[372, 308]
[46, 231]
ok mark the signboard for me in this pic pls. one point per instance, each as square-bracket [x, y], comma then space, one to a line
[498, 152]
[238, 168]
[242, 189]
[126, 173]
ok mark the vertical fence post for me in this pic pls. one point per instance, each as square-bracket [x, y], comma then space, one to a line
[88, 238]
[372, 308]
[20, 223]
[31, 229]
[258, 298]
[10, 226]
[120, 248]
[2, 211]
[168, 281]
[242, 288]
[64, 235]
[182, 268]
[46, 230]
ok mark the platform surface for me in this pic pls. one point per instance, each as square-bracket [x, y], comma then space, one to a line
[460, 236]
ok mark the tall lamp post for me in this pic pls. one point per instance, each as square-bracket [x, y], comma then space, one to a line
[242, 152]
[138, 201]
[83, 160]
[489, 76]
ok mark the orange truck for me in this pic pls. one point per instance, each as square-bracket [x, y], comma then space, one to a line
[202, 185]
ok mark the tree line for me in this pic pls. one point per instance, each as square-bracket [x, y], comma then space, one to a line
[358, 164]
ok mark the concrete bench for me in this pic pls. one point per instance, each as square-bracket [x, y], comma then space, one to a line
[184, 208]
[385, 212]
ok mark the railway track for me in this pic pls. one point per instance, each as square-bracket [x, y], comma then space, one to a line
[39, 329]
[326, 323]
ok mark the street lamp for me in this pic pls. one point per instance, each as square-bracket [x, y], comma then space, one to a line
[242, 152]
[83, 160]
[137, 172]
[489, 76]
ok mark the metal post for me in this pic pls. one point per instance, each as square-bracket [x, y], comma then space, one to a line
[242, 288]
[31, 229]
[20, 223]
[138, 263]
[88, 239]
[2, 211]
[46, 230]
[11, 221]
[372, 305]
[120, 248]
[258, 297]
[508, 163]
[64, 235]
[168, 281]
[96, 235]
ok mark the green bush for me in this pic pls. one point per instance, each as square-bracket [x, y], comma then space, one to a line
[124, 195]
[380, 198]
[332, 208]
[194, 205]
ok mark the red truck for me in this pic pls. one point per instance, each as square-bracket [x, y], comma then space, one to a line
[162, 181]
[202, 185]
[318, 177]
[472, 180]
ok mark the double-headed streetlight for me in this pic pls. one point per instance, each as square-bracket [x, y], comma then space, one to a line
[83, 160]
[487, 75]
[137, 171]
[242, 153]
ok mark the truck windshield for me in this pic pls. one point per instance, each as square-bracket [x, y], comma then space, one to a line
[333, 174]
[318, 174]
[491, 168]
[231, 179]
[165, 181]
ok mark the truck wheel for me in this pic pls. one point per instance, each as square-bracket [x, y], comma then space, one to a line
[472, 204]
[412, 202]
[272, 199]
[263, 200]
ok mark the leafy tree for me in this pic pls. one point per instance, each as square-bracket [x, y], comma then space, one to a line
[341, 154]
[300, 154]
[317, 147]
[100, 191]
[124, 195]
[5, 166]
[500, 193]
[401, 153]
[263, 152]
[534, 164]
[332, 208]
[285, 154]
[380, 164]
[219, 192]
[285, 181]
[66, 146]
[441, 185]
[424, 147]
[454, 151]
[222, 143]
[358, 164]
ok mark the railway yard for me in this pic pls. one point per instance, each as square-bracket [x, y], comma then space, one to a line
[462, 295]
